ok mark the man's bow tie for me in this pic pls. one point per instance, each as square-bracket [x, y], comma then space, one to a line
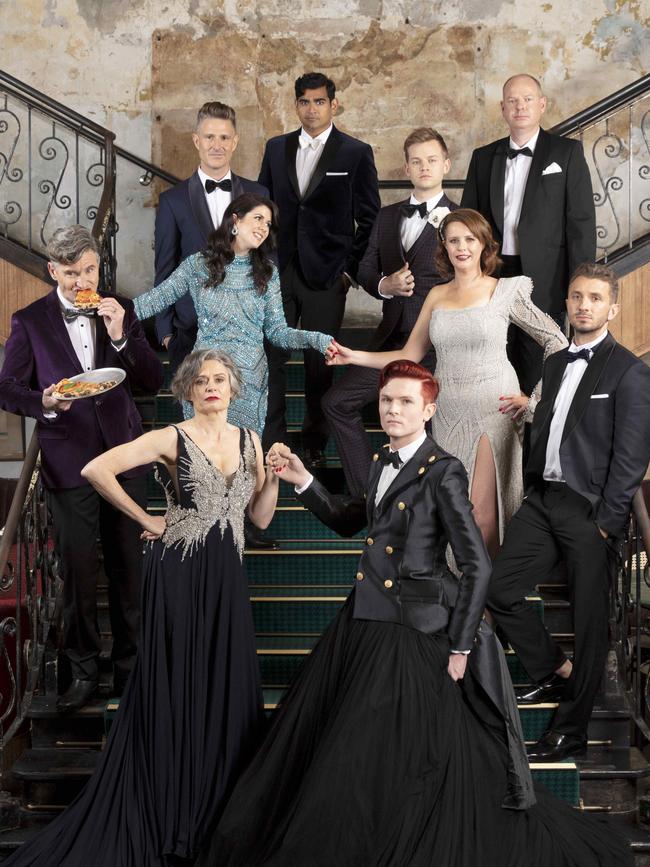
[582, 353]
[421, 209]
[390, 459]
[211, 186]
[70, 315]
[519, 152]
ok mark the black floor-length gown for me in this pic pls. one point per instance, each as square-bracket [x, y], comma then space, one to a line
[192, 708]
[376, 759]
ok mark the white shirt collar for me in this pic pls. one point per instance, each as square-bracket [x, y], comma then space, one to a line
[407, 452]
[305, 140]
[531, 143]
[431, 203]
[63, 300]
[204, 177]
[592, 345]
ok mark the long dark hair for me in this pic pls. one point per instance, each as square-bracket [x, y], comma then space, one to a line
[220, 253]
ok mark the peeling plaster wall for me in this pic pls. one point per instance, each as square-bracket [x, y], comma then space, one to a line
[143, 68]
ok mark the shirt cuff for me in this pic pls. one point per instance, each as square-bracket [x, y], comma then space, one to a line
[50, 414]
[302, 488]
[119, 345]
[464, 652]
[380, 293]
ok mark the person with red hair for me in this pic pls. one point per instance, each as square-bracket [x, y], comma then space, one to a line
[399, 742]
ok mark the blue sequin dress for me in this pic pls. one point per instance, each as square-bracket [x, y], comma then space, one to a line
[234, 318]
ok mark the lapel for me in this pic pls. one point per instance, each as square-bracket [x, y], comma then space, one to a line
[407, 475]
[371, 489]
[237, 186]
[554, 371]
[332, 145]
[394, 230]
[587, 384]
[290, 151]
[59, 330]
[101, 340]
[199, 207]
[540, 157]
[497, 179]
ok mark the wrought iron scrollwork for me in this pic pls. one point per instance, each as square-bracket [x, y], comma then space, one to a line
[12, 210]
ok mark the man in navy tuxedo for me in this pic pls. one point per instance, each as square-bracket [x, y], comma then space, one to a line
[190, 211]
[325, 184]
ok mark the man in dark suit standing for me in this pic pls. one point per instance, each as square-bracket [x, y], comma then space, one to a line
[398, 267]
[325, 184]
[190, 211]
[590, 447]
[51, 340]
[535, 190]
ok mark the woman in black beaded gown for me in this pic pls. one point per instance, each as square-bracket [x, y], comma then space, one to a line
[192, 708]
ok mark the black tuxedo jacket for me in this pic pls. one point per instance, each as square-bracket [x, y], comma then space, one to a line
[328, 228]
[384, 255]
[183, 226]
[557, 226]
[605, 446]
[403, 575]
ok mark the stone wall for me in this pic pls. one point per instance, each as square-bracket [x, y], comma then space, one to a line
[143, 68]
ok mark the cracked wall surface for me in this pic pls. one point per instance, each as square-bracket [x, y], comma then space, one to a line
[143, 68]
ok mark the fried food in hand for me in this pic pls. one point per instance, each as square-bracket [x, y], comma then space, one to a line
[87, 299]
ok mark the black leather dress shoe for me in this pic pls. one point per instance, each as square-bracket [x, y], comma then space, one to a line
[315, 458]
[550, 689]
[553, 747]
[76, 696]
[255, 538]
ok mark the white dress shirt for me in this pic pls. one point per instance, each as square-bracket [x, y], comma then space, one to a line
[309, 152]
[411, 228]
[514, 186]
[218, 200]
[571, 377]
[82, 334]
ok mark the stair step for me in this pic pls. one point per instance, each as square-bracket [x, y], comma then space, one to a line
[52, 765]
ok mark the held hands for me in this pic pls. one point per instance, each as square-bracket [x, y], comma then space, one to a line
[399, 283]
[513, 405]
[338, 355]
[457, 665]
[53, 404]
[287, 465]
[112, 313]
[154, 528]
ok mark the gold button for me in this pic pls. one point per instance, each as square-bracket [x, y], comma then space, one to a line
[420, 471]
[389, 549]
[359, 576]
[432, 459]
[375, 457]
[388, 584]
[401, 506]
[370, 541]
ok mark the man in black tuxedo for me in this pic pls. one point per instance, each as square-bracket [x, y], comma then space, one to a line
[590, 447]
[325, 184]
[398, 267]
[190, 211]
[535, 190]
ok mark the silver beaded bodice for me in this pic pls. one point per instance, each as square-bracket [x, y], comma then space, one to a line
[207, 497]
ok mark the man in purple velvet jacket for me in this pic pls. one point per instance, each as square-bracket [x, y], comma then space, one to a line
[51, 340]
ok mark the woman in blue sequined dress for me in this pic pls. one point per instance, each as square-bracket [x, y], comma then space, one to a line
[236, 291]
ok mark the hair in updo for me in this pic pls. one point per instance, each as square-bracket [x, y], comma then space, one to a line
[189, 369]
[480, 228]
[405, 369]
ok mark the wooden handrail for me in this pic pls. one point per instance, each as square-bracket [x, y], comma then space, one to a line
[18, 501]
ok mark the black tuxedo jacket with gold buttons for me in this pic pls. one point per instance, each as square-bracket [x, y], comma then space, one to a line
[402, 574]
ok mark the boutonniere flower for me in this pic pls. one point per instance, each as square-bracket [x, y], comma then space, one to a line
[437, 215]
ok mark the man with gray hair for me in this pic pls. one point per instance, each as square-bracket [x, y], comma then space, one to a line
[189, 212]
[54, 339]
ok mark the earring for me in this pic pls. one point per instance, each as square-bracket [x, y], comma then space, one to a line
[234, 230]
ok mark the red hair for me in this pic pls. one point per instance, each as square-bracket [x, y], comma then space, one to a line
[405, 369]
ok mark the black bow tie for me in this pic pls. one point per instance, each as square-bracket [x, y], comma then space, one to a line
[390, 459]
[70, 315]
[421, 209]
[211, 186]
[519, 152]
[582, 353]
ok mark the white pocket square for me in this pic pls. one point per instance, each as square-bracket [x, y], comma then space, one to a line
[335, 174]
[598, 396]
[553, 169]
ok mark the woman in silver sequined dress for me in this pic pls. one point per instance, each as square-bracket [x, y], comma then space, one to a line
[480, 408]
[236, 292]
[192, 709]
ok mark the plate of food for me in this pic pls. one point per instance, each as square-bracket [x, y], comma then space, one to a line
[89, 384]
[87, 299]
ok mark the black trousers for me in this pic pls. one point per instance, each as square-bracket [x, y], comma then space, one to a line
[316, 310]
[342, 406]
[555, 523]
[80, 517]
